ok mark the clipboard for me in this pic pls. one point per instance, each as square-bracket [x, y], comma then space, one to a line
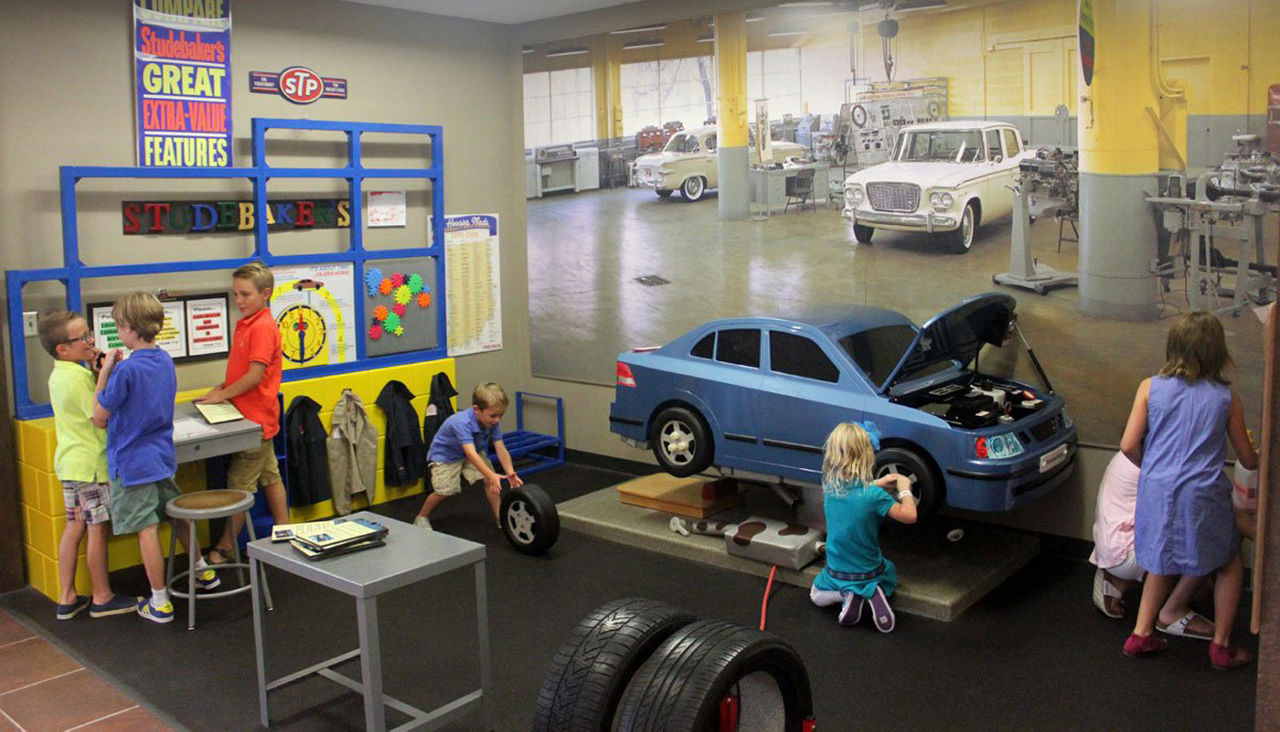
[218, 413]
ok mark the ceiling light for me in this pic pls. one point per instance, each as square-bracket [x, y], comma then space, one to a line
[813, 4]
[908, 7]
[754, 18]
[526, 49]
[653, 43]
[708, 38]
[566, 52]
[785, 33]
[832, 13]
[641, 29]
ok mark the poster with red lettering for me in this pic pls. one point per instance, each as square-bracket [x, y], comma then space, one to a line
[182, 60]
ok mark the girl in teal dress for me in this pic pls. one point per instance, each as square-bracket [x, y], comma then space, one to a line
[857, 574]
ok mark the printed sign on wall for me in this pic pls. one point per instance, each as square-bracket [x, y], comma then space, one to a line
[297, 84]
[182, 56]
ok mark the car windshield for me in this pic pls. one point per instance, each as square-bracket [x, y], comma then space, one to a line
[682, 143]
[946, 145]
[878, 350]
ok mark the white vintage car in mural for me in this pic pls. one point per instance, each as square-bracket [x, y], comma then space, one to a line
[944, 178]
[688, 163]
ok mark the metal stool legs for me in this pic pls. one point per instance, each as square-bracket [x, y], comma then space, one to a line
[192, 555]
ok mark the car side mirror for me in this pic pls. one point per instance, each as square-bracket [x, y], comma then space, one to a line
[998, 158]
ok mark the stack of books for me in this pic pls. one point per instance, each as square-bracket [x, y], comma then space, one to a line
[320, 539]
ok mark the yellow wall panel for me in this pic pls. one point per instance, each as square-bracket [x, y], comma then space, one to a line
[40, 531]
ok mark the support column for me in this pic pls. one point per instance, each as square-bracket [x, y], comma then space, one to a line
[606, 73]
[1119, 160]
[731, 115]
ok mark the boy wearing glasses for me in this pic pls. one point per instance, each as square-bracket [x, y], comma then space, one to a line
[80, 462]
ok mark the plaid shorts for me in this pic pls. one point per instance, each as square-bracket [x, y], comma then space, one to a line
[86, 500]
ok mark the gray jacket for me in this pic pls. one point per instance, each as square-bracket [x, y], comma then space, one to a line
[353, 452]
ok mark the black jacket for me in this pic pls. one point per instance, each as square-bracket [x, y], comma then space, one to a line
[406, 461]
[307, 466]
[438, 407]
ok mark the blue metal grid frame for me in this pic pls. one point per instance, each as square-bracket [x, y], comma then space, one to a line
[73, 271]
[530, 448]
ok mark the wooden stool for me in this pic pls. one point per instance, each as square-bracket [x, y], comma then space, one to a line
[201, 506]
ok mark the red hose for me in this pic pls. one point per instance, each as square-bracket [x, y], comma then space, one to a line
[764, 604]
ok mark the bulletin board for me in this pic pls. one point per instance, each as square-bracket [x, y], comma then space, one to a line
[196, 327]
[352, 172]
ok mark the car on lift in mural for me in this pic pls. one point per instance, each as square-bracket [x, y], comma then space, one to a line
[759, 395]
[944, 178]
[689, 163]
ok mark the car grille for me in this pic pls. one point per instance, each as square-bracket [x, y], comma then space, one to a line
[1045, 429]
[900, 197]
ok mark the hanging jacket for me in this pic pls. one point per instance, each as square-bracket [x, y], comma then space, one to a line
[438, 407]
[307, 466]
[406, 456]
[353, 452]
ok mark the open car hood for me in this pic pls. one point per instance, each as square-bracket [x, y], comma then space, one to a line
[957, 333]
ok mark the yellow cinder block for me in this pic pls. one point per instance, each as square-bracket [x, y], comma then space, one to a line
[38, 443]
[122, 551]
[314, 512]
[41, 531]
[29, 491]
[49, 586]
[35, 568]
[49, 494]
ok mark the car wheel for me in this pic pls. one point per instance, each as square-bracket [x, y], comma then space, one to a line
[961, 240]
[681, 442]
[693, 188]
[529, 519]
[862, 234]
[925, 485]
[664, 194]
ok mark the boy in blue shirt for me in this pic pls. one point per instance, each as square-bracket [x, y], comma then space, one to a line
[137, 395]
[458, 451]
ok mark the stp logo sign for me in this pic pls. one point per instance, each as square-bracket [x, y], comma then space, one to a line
[301, 85]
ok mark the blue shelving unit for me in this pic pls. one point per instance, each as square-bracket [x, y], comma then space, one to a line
[73, 271]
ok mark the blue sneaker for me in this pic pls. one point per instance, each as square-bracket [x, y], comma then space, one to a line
[157, 614]
[207, 579]
[117, 605]
[72, 609]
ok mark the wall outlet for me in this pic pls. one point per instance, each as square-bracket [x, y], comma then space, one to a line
[29, 328]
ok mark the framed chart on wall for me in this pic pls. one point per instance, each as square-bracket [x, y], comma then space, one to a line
[195, 327]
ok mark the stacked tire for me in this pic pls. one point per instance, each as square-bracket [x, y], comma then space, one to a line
[637, 664]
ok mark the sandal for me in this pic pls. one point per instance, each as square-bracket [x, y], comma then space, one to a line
[1182, 626]
[1106, 596]
[1137, 646]
[223, 556]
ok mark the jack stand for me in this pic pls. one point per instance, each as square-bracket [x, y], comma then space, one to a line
[1023, 271]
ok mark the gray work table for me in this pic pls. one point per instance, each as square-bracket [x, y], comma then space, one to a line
[410, 555]
[769, 185]
[227, 438]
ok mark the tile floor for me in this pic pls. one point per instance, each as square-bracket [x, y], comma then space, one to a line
[42, 688]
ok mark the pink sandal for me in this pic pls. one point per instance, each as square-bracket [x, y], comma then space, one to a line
[1137, 646]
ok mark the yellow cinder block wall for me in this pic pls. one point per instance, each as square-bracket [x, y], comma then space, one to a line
[43, 514]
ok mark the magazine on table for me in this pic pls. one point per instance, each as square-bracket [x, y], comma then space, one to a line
[219, 412]
[325, 536]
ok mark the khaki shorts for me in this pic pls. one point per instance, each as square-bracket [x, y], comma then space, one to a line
[139, 506]
[254, 466]
[446, 477]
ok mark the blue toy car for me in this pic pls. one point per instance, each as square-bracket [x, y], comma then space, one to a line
[761, 394]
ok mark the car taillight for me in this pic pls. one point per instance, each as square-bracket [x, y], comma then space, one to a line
[624, 375]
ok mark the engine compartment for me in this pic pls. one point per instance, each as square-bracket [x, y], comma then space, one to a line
[976, 403]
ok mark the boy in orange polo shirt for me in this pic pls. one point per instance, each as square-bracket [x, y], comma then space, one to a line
[251, 384]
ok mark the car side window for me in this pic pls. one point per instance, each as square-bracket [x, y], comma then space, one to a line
[705, 347]
[993, 144]
[739, 346]
[800, 356]
[690, 144]
[1011, 143]
[711, 143]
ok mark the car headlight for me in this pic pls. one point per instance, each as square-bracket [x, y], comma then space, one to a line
[853, 194]
[1066, 420]
[1004, 445]
[941, 200]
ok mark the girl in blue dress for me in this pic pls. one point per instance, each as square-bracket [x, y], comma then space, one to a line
[857, 574]
[1177, 432]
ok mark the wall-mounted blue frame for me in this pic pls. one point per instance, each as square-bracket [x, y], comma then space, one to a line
[73, 271]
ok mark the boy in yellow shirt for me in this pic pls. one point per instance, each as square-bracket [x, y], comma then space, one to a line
[80, 462]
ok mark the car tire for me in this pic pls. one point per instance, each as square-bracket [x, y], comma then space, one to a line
[862, 234]
[664, 194]
[681, 442]
[960, 241]
[589, 673]
[693, 188]
[529, 519]
[684, 683]
[925, 484]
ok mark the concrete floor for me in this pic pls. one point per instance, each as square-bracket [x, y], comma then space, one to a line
[586, 251]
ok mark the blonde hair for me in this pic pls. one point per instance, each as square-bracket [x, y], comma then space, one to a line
[142, 312]
[489, 394]
[847, 456]
[53, 329]
[1196, 349]
[258, 274]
